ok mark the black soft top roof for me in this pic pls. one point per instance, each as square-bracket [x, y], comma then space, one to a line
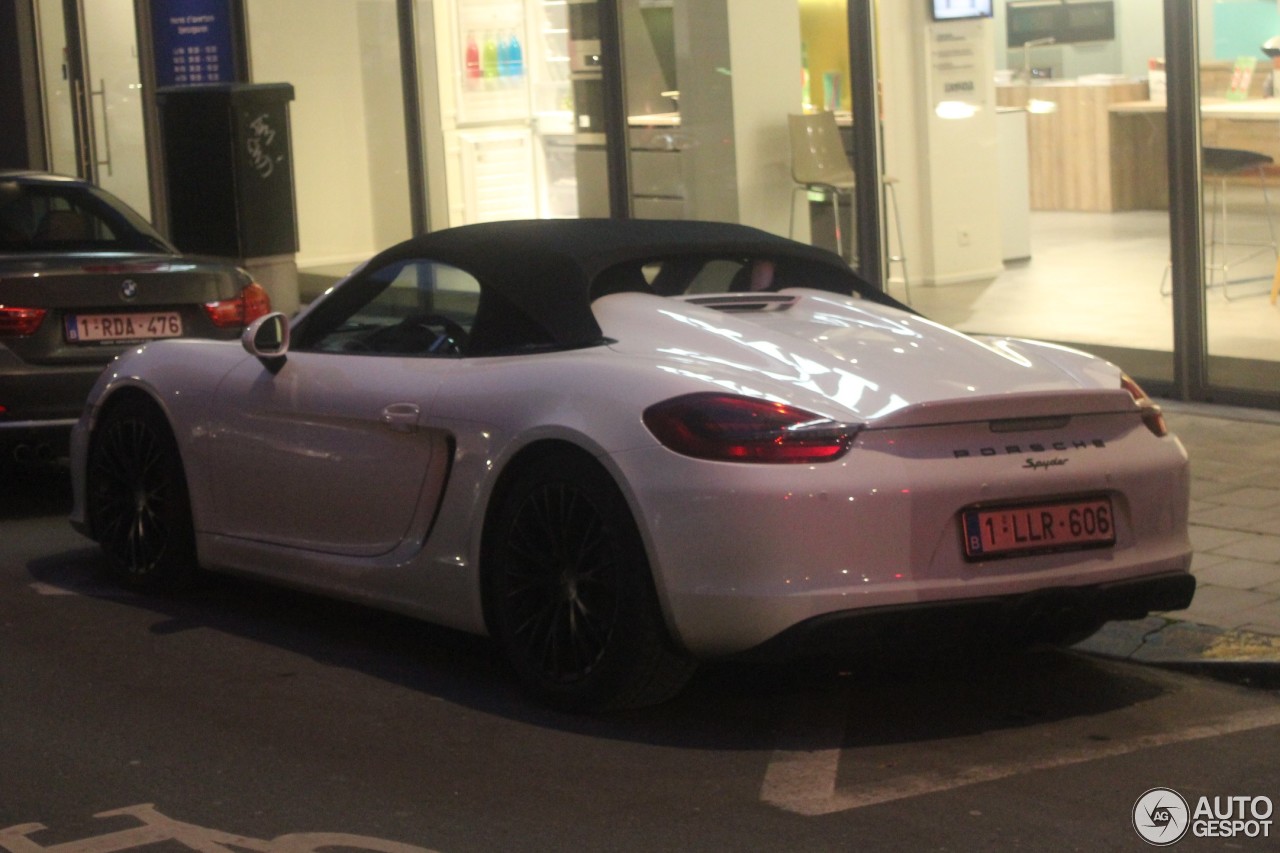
[547, 269]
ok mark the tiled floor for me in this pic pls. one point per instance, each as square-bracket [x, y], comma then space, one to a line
[1235, 515]
[1096, 279]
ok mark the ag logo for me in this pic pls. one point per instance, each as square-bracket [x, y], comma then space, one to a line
[1161, 816]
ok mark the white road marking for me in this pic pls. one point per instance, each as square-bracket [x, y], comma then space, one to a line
[50, 589]
[155, 827]
[102, 590]
[804, 781]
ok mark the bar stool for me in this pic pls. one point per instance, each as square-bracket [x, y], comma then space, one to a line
[1221, 165]
[819, 164]
[891, 202]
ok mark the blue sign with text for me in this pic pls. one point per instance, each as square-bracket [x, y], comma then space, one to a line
[193, 42]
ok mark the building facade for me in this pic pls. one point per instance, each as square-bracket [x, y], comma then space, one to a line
[1035, 169]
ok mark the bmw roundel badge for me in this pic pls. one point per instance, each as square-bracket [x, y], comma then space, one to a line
[128, 288]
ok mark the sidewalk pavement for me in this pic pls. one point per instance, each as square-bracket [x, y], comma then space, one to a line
[1234, 619]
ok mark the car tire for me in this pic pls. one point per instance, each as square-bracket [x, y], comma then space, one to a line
[569, 593]
[138, 504]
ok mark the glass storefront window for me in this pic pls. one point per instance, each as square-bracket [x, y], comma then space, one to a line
[349, 150]
[706, 136]
[512, 94]
[1240, 115]
[1041, 208]
[709, 85]
[1026, 154]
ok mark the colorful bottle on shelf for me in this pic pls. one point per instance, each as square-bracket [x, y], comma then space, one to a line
[806, 96]
[515, 54]
[489, 59]
[505, 71]
[473, 73]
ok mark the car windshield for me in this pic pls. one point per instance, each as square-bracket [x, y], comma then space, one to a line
[58, 218]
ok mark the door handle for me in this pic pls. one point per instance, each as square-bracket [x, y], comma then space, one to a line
[106, 128]
[401, 417]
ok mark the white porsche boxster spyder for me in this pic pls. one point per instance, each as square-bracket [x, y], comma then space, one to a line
[620, 448]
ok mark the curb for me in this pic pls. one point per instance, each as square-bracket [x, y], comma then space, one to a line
[1240, 656]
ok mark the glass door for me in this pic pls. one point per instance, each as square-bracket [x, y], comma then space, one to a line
[1240, 122]
[93, 95]
[110, 94]
[55, 73]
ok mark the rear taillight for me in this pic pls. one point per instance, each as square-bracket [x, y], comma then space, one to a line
[1151, 414]
[20, 321]
[731, 428]
[252, 303]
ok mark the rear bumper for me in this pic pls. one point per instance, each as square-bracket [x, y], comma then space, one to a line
[40, 404]
[1044, 615]
[37, 395]
[35, 441]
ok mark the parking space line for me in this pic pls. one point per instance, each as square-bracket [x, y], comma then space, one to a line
[804, 781]
[50, 589]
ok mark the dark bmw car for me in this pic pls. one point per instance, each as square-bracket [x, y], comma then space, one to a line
[82, 277]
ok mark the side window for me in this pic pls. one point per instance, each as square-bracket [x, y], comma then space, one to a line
[669, 276]
[715, 277]
[412, 308]
[691, 276]
[52, 220]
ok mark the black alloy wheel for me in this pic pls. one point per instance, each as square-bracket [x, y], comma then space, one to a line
[138, 504]
[570, 595]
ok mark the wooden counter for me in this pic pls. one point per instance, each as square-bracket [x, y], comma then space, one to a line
[1070, 148]
[1140, 150]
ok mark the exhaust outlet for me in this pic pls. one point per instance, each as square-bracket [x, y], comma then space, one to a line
[33, 454]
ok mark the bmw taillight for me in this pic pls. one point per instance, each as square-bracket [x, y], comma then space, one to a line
[20, 321]
[1151, 414]
[238, 311]
[732, 428]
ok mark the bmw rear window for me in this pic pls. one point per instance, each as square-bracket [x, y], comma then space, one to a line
[35, 218]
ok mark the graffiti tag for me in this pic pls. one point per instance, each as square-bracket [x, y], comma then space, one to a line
[261, 136]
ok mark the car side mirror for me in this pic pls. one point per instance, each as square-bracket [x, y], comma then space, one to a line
[267, 339]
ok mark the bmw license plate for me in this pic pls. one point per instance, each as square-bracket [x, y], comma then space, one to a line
[82, 328]
[1061, 526]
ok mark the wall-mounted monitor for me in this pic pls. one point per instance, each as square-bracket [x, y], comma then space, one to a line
[956, 10]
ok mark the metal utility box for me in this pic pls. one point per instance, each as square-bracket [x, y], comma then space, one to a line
[229, 168]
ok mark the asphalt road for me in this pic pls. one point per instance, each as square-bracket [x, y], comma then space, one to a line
[251, 718]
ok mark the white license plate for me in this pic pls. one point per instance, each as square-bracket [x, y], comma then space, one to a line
[123, 327]
[1062, 526]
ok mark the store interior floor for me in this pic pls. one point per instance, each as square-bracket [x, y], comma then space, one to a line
[1095, 278]
[1092, 278]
